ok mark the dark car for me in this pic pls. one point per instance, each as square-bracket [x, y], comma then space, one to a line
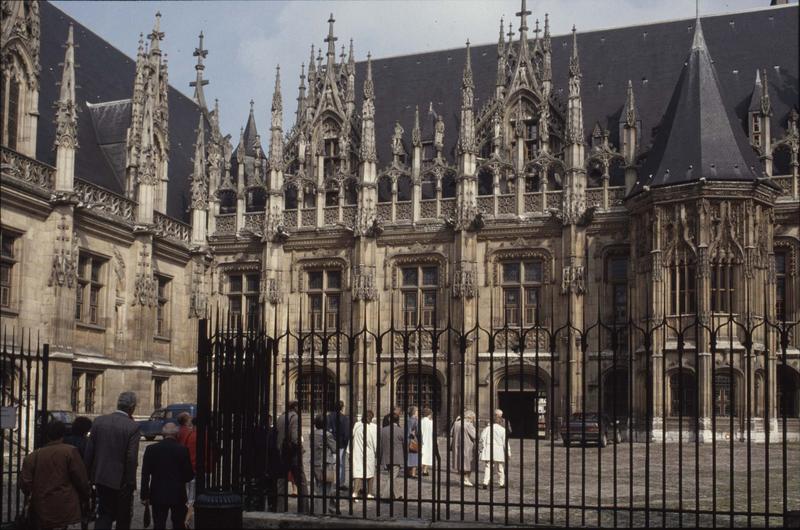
[64, 416]
[586, 428]
[152, 427]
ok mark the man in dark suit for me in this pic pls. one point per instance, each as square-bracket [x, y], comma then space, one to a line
[166, 468]
[393, 453]
[338, 424]
[112, 455]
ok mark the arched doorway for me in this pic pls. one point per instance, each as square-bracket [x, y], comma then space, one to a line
[421, 390]
[615, 394]
[788, 392]
[522, 396]
[315, 390]
[682, 393]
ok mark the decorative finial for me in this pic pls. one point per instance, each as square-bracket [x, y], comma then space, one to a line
[523, 18]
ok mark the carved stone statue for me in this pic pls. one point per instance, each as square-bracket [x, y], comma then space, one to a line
[397, 140]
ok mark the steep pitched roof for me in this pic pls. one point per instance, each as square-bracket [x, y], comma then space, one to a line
[105, 75]
[699, 136]
[651, 55]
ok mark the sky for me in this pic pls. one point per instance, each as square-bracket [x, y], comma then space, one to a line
[247, 40]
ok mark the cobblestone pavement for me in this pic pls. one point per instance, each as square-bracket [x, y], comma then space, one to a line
[599, 480]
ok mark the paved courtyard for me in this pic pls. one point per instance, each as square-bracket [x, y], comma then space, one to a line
[679, 479]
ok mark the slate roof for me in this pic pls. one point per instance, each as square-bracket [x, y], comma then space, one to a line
[651, 55]
[105, 76]
[699, 136]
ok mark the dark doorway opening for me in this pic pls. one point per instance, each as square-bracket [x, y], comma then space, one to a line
[526, 413]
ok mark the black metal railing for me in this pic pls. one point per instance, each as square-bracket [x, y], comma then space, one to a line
[24, 366]
[606, 423]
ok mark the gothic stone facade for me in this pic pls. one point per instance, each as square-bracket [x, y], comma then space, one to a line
[533, 188]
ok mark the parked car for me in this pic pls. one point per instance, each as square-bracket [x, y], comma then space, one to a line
[64, 416]
[152, 427]
[588, 428]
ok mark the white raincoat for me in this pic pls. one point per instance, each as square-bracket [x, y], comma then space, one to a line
[493, 446]
[357, 445]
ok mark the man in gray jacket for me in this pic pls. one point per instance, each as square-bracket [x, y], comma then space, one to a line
[112, 455]
[290, 446]
[393, 455]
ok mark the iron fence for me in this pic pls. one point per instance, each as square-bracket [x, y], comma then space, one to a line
[24, 364]
[658, 421]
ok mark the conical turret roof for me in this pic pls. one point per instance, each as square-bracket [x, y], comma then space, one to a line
[699, 137]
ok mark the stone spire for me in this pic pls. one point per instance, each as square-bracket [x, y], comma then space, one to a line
[416, 132]
[312, 78]
[574, 105]
[466, 140]
[331, 41]
[66, 121]
[523, 25]
[199, 187]
[301, 96]
[759, 113]
[351, 59]
[156, 36]
[501, 60]
[630, 137]
[199, 82]
[276, 140]
[368, 153]
[547, 49]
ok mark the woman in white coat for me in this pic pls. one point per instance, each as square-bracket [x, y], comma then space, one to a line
[494, 451]
[426, 430]
[364, 447]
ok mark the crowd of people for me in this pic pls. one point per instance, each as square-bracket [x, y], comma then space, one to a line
[406, 450]
[90, 473]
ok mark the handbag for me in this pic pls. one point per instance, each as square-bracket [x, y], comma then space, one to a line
[413, 446]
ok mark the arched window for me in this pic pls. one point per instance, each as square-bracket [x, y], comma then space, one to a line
[722, 299]
[724, 393]
[385, 189]
[485, 182]
[350, 192]
[788, 392]
[428, 186]
[316, 391]
[422, 390]
[404, 185]
[682, 288]
[448, 186]
[309, 196]
[290, 198]
[227, 201]
[532, 183]
[332, 193]
[682, 394]
[12, 114]
[256, 199]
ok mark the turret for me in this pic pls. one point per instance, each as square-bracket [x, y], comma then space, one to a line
[66, 141]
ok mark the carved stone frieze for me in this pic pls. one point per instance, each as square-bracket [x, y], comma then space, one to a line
[145, 286]
[573, 280]
[464, 281]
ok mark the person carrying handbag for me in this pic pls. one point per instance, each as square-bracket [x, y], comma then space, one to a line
[55, 483]
[412, 441]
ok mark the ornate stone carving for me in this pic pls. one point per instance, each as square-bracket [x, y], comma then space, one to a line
[26, 169]
[198, 300]
[63, 271]
[464, 281]
[572, 280]
[145, 285]
[364, 283]
[397, 141]
[119, 272]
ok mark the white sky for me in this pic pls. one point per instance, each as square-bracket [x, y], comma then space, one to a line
[246, 40]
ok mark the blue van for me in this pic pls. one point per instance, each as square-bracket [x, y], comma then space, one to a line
[152, 427]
